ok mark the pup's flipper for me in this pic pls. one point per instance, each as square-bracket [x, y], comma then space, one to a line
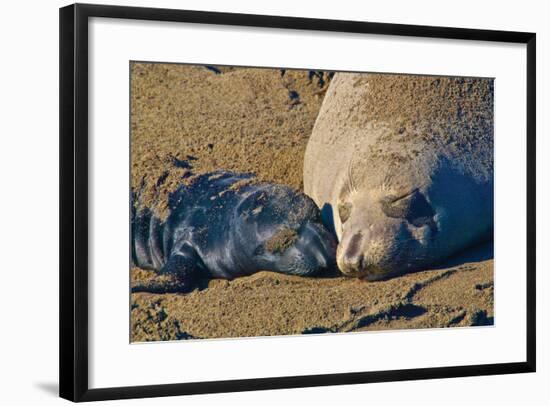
[179, 274]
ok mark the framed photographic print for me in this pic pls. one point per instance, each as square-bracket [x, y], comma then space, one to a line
[257, 202]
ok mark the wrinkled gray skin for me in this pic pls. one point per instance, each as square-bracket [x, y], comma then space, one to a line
[408, 185]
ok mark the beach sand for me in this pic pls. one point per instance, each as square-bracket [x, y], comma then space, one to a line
[259, 120]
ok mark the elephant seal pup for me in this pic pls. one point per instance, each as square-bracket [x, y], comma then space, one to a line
[402, 167]
[225, 225]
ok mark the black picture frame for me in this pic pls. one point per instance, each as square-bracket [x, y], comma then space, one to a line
[73, 377]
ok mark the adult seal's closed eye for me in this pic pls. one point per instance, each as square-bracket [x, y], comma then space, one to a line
[224, 225]
[402, 167]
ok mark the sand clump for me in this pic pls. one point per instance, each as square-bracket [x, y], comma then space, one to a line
[281, 240]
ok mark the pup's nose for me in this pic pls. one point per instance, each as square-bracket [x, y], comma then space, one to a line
[322, 242]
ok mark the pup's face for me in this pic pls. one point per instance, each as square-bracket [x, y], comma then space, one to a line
[288, 231]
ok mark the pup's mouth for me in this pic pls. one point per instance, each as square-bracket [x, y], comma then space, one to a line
[316, 247]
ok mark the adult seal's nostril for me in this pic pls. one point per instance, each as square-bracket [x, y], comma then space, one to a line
[350, 256]
[355, 263]
[352, 249]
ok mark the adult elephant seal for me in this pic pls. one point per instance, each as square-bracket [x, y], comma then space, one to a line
[225, 225]
[402, 167]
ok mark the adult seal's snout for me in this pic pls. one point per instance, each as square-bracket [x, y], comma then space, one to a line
[225, 225]
[402, 166]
